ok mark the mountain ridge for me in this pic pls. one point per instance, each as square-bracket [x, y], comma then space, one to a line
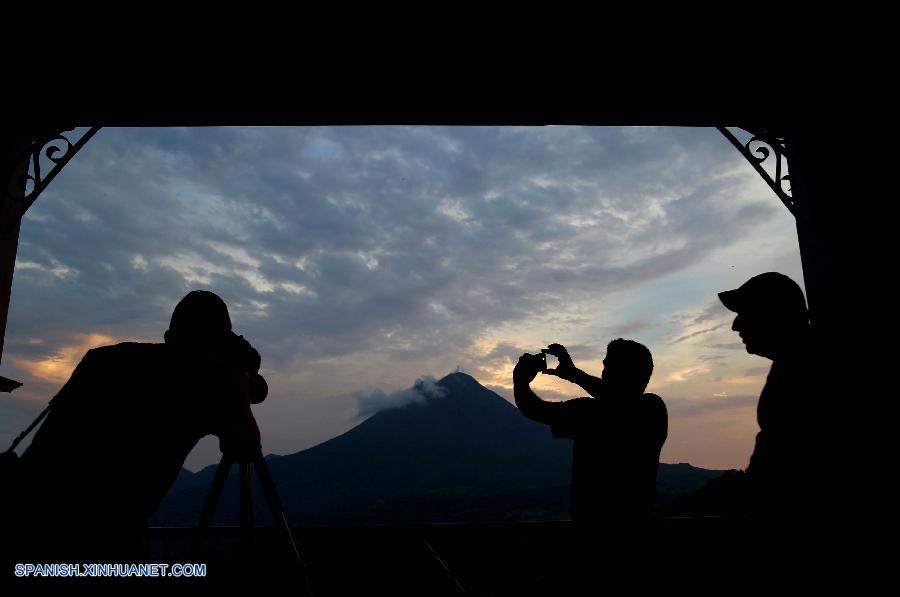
[465, 454]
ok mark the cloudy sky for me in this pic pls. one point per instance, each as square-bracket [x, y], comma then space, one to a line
[359, 259]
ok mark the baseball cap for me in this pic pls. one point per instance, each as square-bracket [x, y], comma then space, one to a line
[770, 292]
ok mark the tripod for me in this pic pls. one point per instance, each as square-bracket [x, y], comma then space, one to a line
[271, 496]
[269, 492]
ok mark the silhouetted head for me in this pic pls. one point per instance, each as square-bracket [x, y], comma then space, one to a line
[771, 313]
[627, 367]
[200, 320]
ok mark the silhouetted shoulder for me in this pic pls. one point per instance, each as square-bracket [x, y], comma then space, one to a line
[573, 416]
[126, 349]
[653, 401]
[124, 352]
[654, 411]
[130, 363]
[654, 407]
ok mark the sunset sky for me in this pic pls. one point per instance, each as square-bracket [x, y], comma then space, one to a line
[358, 259]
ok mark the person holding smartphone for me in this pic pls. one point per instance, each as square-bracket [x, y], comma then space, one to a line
[618, 431]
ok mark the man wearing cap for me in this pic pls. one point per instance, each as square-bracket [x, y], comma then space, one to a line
[119, 431]
[773, 322]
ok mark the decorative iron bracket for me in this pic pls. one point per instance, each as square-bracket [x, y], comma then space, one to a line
[757, 151]
[24, 189]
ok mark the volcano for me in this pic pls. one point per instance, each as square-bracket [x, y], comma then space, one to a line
[463, 454]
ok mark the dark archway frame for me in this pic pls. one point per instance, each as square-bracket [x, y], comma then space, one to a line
[823, 195]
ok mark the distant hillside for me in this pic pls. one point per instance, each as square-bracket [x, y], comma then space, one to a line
[468, 455]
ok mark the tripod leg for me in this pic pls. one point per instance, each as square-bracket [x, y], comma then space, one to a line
[271, 495]
[212, 499]
[246, 506]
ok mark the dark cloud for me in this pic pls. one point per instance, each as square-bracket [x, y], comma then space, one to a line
[715, 311]
[504, 351]
[711, 358]
[400, 231]
[695, 334]
[627, 329]
[729, 346]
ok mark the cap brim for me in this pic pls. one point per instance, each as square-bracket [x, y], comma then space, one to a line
[732, 299]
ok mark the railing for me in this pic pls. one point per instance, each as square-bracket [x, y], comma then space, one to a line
[483, 559]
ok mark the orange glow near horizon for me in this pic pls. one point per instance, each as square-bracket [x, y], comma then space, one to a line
[59, 366]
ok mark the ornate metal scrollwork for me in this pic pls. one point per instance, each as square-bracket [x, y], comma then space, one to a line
[757, 151]
[26, 181]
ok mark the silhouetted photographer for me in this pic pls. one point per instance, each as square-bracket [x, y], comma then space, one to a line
[118, 432]
[619, 431]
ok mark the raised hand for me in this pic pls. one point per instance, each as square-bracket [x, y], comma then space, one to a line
[566, 368]
[527, 368]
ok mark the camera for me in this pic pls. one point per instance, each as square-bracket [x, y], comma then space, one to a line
[240, 353]
[538, 360]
